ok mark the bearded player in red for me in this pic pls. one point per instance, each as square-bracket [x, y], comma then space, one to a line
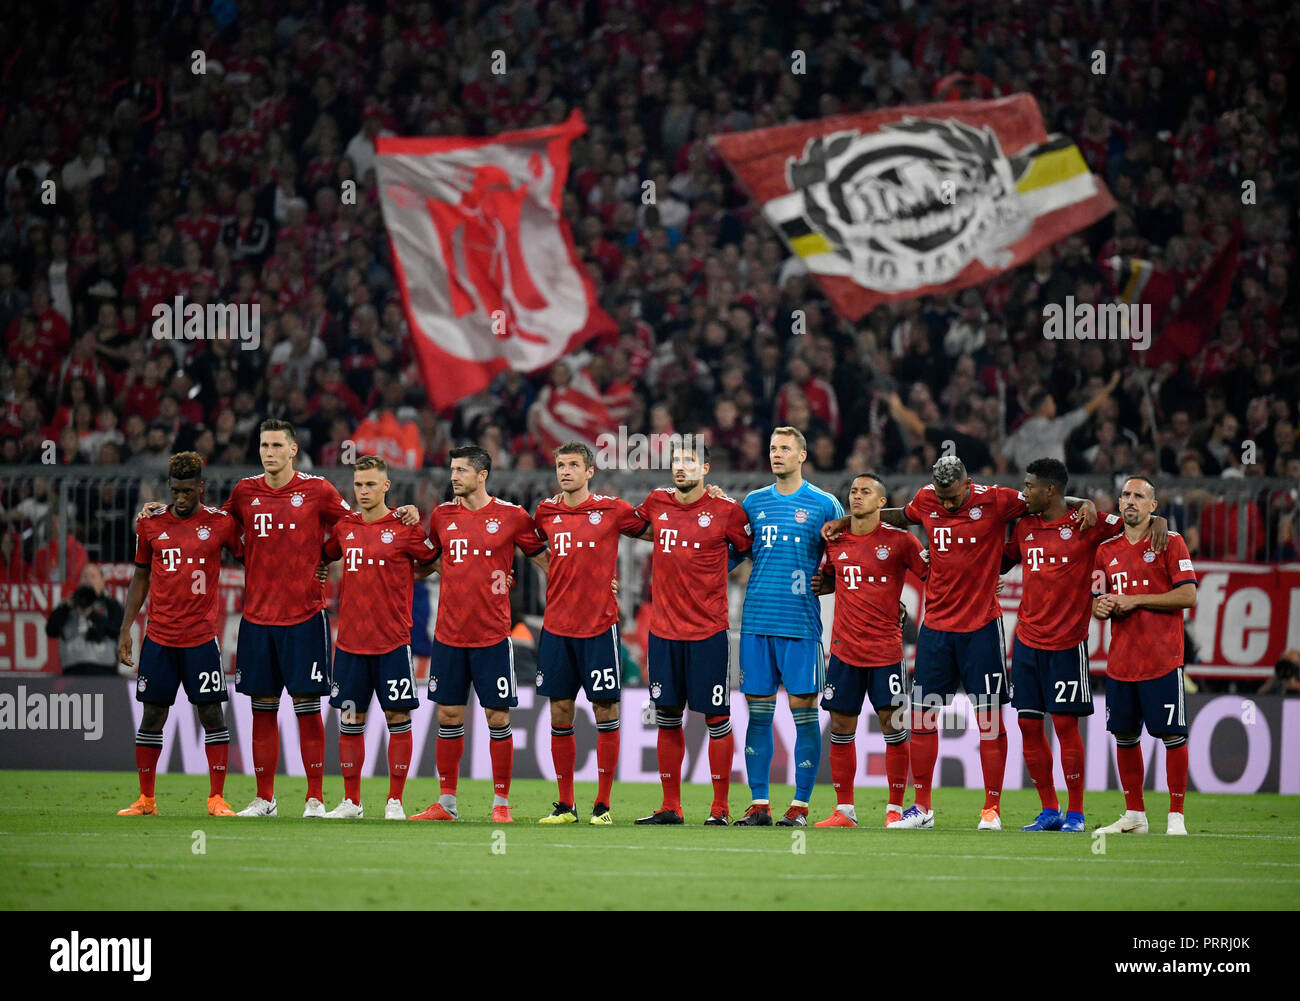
[381, 560]
[689, 652]
[579, 645]
[284, 635]
[865, 567]
[177, 566]
[476, 535]
[1143, 593]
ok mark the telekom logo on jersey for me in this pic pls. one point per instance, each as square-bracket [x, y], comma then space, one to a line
[353, 559]
[667, 536]
[942, 536]
[171, 559]
[262, 524]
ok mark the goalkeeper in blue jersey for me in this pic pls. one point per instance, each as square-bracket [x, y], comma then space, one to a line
[781, 626]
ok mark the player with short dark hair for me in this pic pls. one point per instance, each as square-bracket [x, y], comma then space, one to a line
[689, 652]
[579, 644]
[476, 535]
[867, 565]
[960, 641]
[381, 560]
[1143, 593]
[178, 567]
[781, 625]
[1049, 656]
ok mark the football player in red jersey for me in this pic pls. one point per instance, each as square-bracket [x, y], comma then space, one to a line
[382, 558]
[1143, 593]
[579, 644]
[865, 568]
[1049, 655]
[960, 640]
[689, 650]
[284, 637]
[476, 535]
[177, 566]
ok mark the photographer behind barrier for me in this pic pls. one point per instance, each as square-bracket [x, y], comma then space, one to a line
[86, 626]
[1286, 676]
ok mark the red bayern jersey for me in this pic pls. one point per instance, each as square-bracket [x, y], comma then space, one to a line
[1056, 575]
[378, 582]
[1144, 644]
[283, 531]
[183, 556]
[869, 572]
[688, 565]
[478, 552]
[584, 559]
[965, 554]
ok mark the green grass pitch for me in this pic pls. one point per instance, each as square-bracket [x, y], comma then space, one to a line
[61, 846]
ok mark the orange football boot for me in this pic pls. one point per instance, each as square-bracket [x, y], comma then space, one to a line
[145, 806]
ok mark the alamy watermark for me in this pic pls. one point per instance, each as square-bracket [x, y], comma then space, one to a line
[642, 451]
[181, 321]
[24, 710]
[1110, 321]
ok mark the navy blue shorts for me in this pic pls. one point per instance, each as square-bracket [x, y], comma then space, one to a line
[1158, 703]
[567, 663]
[490, 668]
[389, 675]
[274, 658]
[977, 662]
[847, 687]
[692, 673]
[767, 661]
[163, 669]
[1051, 681]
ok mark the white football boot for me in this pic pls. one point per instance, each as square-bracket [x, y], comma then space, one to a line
[1177, 824]
[314, 808]
[394, 810]
[347, 810]
[914, 818]
[1133, 822]
[259, 808]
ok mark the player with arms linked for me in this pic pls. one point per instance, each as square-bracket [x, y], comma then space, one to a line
[178, 567]
[579, 645]
[689, 653]
[1143, 593]
[781, 625]
[865, 567]
[382, 558]
[476, 535]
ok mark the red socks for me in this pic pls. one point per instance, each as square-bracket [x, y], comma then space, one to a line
[672, 750]
[1128, 760]
[451, 745]
[564, 754]
[218, 754]
[352, 755]
[896, 762]
[606, 759]
[1071, 741]
[266, 749]
[311, 741]
[925, 752]
[1176, 773]
[993, 757]
[501, 744]
[722, 754]
[148, 747]
[844, 767]
[399, 760]
[1038, 758]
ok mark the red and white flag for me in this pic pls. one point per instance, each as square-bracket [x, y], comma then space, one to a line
[576, 412]
[486, 263]
[907, 202]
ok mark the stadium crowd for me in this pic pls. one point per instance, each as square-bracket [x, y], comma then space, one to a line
[224, 185]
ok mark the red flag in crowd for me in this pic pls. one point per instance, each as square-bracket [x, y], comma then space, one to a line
[1191, 327]
[576, 412]
[486, 263]
[913, 201]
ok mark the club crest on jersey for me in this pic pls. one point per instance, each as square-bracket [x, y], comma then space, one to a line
[493, 526]
[594, 517]
[1067, 532]
[540, 679]
[140, 684]
[296, 500]
[829, 692]
[656, 690]
[882, 553]
[238, 675]
[704, 520]
[1148, 557]
[977, 513]
[334, 690]
[433, 684]
[386, 535]
[801, 516]
[203, 533]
